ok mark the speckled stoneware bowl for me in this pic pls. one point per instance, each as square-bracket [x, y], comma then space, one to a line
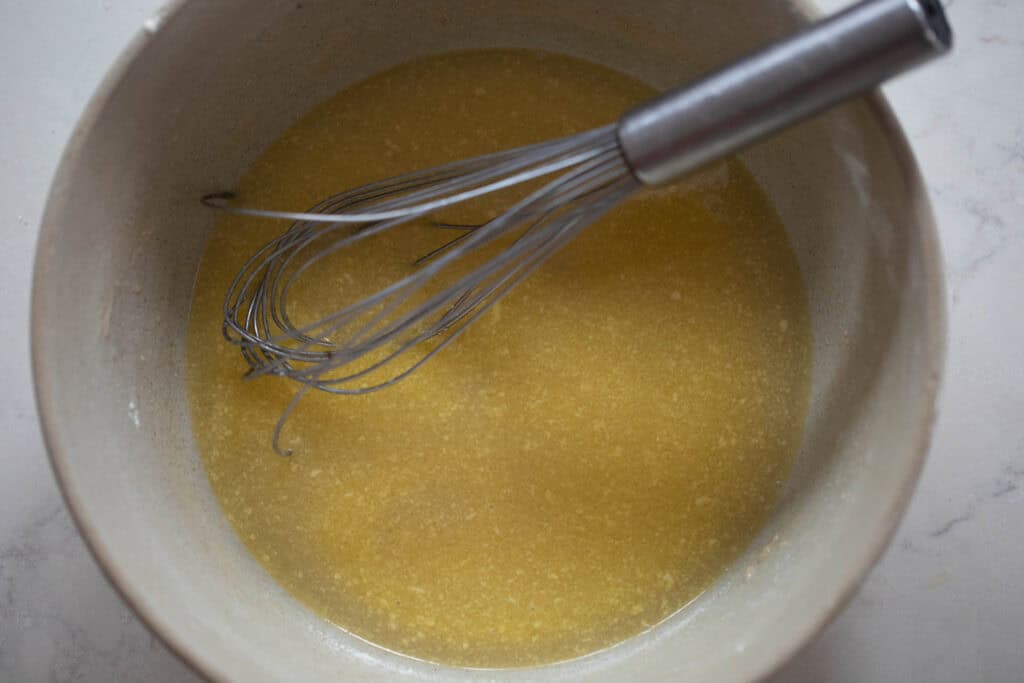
[197, 96]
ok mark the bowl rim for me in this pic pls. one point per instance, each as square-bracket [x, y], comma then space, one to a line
[58, 451]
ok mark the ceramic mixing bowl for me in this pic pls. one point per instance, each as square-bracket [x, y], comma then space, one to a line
[206, 86]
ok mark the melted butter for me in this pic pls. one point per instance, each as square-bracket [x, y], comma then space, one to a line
[581, 464]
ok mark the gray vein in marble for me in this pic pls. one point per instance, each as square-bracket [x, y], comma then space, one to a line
[1004, 488]
[990, 234]
[1015, 148]
[1000, 487]
[953, 523]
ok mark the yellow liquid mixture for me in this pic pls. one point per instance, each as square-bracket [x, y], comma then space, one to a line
[584, 461]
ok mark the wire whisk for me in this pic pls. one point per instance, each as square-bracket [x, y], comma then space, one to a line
[373, 342]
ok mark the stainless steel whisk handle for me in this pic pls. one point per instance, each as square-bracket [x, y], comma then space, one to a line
[827, 63]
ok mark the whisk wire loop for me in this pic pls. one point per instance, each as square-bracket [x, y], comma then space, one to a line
[376, 341]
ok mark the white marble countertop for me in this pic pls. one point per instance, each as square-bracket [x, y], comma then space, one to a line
[945, 604]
